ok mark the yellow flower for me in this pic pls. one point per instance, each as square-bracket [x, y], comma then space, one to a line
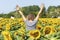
[21, 20]
[35, 34]
[1, 18]
[15, 33]
[38, 27]
[7, 26]
[0, 26]
[21, 30]
[49, 30]
[58, 29]
[6, 35]
[21, 23]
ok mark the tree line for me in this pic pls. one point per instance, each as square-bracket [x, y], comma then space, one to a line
[51, 12]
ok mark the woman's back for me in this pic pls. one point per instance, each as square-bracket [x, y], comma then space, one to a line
[30, 25]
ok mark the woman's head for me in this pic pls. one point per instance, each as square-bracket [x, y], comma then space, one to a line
[30, 17]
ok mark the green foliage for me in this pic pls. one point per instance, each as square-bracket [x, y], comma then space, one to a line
[51, 12]
[30, 9]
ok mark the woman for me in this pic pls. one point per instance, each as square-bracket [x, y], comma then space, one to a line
[30, 21]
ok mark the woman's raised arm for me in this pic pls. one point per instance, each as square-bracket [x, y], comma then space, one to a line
[41, 9]
[19, 11]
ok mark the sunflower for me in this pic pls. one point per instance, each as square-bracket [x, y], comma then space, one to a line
[35, 34]
[21, 31]
[38, 27]
[58, 29]
[7, 26]
[49, 30]
[1, 18]
[6, 35]
[0, 26]
[20, 20]
[16, 33]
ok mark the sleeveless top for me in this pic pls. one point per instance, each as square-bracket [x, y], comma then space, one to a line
[30, 25]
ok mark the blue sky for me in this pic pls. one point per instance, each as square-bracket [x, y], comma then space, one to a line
[9, 5]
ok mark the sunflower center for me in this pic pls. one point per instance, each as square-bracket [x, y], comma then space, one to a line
[35, 34]
[39, 28]
[47, 31]
[7, 36]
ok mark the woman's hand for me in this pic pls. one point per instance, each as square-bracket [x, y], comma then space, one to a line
[17, 7]
[42, 6]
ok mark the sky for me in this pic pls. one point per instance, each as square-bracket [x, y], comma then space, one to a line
[7, 6]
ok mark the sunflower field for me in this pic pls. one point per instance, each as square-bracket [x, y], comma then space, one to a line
[14, 29]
